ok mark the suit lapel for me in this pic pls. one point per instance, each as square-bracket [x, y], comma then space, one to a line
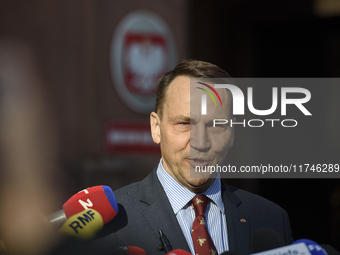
[159, 213]
[237, 222]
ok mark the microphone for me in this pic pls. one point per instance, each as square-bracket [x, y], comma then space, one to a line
[83, 225]
[128, 250]
[178, 252]
[99, 198]
[165, 246]
[230, 253]
[299, 247]
[264, 239]
[293, 249]
[313, 247]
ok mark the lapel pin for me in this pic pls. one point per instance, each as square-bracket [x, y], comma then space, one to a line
[243, 221]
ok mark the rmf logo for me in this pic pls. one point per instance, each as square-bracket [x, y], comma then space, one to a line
[238, 99]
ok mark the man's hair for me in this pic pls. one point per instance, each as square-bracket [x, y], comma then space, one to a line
[189, 68]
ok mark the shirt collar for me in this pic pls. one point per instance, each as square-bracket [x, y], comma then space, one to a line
[179, 196]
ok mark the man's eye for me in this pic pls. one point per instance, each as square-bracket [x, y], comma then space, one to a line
[185, 123]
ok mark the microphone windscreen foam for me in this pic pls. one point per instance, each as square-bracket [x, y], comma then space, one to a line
[178, 252]
[84, 225]
[313, 247]
[99, 198]
[264, 239]
[128, 250]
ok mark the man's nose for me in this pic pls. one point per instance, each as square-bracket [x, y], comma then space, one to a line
[199, 138]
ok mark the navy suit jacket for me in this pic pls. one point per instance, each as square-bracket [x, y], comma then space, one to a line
[144, 209]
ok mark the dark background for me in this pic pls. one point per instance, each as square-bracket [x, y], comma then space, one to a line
[248, 38]
[280, 39]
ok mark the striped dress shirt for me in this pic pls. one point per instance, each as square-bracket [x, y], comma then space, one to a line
[180, 198]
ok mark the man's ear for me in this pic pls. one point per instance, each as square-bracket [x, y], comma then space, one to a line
[155, 124]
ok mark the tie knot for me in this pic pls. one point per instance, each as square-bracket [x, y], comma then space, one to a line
[200, 203]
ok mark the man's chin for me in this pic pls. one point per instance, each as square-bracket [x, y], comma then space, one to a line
[198, 185]
[196, 174]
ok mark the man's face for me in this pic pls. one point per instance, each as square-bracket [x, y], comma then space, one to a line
[187, 138]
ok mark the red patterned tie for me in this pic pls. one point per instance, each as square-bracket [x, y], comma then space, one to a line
[203, 243]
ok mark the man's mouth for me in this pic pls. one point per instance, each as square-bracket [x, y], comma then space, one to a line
[199, 162]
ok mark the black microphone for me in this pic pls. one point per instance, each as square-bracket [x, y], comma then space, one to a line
[230, 253]
[165, 246]
[264, 239]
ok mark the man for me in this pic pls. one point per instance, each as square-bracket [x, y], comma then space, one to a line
[165, 200]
